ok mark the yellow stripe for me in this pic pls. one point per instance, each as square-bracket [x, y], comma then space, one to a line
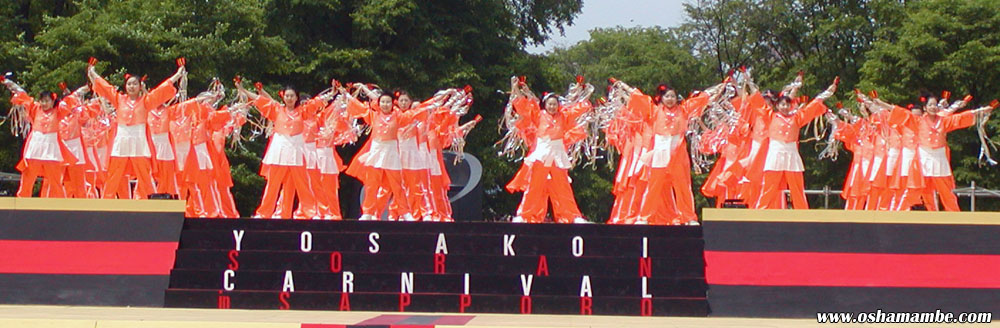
[92, 205]
[842, 216]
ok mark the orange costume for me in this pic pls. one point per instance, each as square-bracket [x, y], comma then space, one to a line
[544, 174]
[335, 130]
[44, 152]
[163, 146]
[782, 164]
[223, 176]
[378, 165]
[130, 148]
[284, 161]
[669, 162]
[71, 134]
[933, 152]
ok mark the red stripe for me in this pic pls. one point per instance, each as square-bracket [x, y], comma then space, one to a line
[86, 257]
[852, 269]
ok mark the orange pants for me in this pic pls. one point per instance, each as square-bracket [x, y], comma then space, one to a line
[329, 185]
[201, 199]
[676, 179]
[282, 177]
[166, 177]
[319, 197]
[52, 180]
[76, 182]
[634, 196]
[227, 205]
[439, 196]
[548, 184]
[945, 187]
[417, 188]
[879, 199]
[777, 181]
[140, 167]
[377, 194]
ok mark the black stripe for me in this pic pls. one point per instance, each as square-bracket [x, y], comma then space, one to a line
[113, 290]
[89, 226]
[451, 227]
[805, 302]
[439, 303]
[851, 237]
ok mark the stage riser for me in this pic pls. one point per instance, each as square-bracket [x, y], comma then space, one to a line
[797, 263]
[678, 267]
[498, 258]
[485, 228]
[457, 244]
[438, 283]
[390, 302]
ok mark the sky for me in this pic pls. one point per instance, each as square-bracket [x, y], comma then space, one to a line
[611, 13]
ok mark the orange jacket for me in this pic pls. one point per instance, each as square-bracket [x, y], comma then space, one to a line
[133, 112]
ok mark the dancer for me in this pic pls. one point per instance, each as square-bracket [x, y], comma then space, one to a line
[783, 166]
[44, 152]
[283, 164]
[549, 128]
[130, 150]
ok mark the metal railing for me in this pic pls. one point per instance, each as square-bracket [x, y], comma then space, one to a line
[972, 192]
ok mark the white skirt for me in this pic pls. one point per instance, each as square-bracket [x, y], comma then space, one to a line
[906, 160]
[411, 157]
[934, 162]
[783, 156]
[637, 162]
[130, 141]
[75, 147]
[326, 162]
[310, 155]
[183, 149]
[875, 166]
[383, 155]
[161, 145]
[203, 157]
[663, 148]
[285, 150]
[550, 153]
[892, 161]
[433, 161]
[43, 147]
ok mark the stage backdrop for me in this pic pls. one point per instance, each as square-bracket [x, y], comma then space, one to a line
[792, 263]
[87, 251]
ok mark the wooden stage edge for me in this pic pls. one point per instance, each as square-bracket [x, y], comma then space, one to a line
[29, 316]
[843, 216]
[91, 205]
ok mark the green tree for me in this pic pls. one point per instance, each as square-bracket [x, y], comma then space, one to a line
[943, 45]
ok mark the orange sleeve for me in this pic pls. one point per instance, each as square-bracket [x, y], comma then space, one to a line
[356, 108]
[22, 98]
[695, 105]
[412, 115]
[104, 89]
[814, 109]
[526, 107]
[267, 107]
[959, 121]
[641, 105]
[218, 119]
[572, 112]
[159, 95]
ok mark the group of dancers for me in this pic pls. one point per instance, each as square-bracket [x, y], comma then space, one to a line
[900, 154]
[169, 143]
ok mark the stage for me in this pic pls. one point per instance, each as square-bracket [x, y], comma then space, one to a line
[115, 317]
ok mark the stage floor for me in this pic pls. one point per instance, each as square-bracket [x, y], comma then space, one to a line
[113, 317]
